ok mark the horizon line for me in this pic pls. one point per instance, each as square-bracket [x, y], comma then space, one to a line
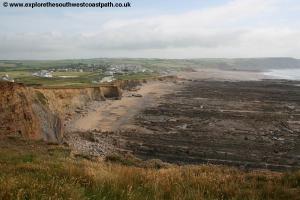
[152, 58]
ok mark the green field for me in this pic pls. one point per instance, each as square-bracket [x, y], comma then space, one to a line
[82, 78]
[21, 71]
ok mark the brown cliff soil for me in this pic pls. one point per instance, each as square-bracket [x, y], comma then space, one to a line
[16, 112]
[25, 112]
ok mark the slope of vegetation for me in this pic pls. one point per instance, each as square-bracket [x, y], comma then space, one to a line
[33, 170]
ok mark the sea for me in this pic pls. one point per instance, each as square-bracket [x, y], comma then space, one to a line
[289, 74]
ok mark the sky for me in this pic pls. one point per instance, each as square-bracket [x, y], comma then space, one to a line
[153, 29]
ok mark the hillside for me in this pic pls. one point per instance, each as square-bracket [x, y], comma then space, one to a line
[31, 170]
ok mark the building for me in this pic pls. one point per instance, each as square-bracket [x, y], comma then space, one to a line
[43, 74]
[7, 78]
[109, 73]
[107, 79]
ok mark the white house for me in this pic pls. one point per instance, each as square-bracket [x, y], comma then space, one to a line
[107, 79]
[7, 78]
[43, 74]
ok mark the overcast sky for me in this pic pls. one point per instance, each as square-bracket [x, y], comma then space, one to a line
[153, 28]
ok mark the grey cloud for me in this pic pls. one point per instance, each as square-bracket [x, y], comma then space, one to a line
[141, 40]
[214, 32]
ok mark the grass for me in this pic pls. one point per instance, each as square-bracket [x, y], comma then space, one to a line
[75, 79]
[3, 64]
[30, 170]
[22, 70]
[82, 78]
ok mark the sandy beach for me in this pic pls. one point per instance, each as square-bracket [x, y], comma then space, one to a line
[111, 115]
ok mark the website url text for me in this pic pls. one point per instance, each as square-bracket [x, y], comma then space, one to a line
[67, 5]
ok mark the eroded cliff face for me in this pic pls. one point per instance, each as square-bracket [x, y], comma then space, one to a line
[16, 113]
[62, 101]
[51, 124]
[25, 112]
[65, 100]
[39, 113]
[129, 84]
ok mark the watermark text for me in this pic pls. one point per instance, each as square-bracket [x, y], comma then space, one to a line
[66, 5]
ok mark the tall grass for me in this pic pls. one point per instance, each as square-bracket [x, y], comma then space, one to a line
[32, 175]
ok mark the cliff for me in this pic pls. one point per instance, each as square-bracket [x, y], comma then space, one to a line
[66, 100]
[24, 112]
[39, 112]
[16, 113]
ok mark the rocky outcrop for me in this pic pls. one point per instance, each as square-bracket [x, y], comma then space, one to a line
[51, 124]
[111, 91]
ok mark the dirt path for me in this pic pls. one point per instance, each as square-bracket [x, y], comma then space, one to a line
[112, 115]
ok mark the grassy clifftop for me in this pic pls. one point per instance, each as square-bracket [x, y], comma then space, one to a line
[31, 170]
